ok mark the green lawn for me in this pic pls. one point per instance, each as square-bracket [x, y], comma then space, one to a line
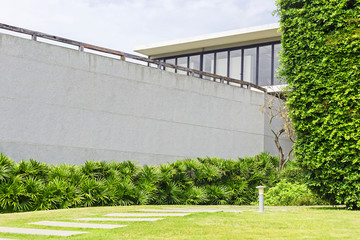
[275, 223]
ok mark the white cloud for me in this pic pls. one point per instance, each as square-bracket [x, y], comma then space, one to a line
[123, 24]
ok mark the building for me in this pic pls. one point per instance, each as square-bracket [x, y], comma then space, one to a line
[249, 54]
[66, 104]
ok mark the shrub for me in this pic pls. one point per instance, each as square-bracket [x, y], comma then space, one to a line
[30, 185]
[293, 173]
[291, 194]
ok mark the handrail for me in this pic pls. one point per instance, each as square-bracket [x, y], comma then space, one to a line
[123, 55]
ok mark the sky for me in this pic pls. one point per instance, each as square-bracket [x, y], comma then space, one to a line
[125, 24]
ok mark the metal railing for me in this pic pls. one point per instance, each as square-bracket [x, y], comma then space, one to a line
[123, 56]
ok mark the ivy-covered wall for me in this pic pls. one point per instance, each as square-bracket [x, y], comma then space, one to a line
[321, 63]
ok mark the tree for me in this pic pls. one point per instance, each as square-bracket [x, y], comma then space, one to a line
[275, 109]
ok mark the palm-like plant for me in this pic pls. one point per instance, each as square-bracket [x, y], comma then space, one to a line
[34, 190]
[218, 195]
[53, 194]
[147, 184]
[73, 197]
[209, 173]
[5, 160]
[13, 196]
[121, 191]
[185, 172]
[59, 193]
[166, 173]
[127, 168]
[5, 173]
[94, 192]
[193, 166]
[148, 174]
[31, 185]
[62, 171]
[195, 195]
[31, 168]
[76, 176]
[171, 193]
[146, 193]
[239, 190]
[92, 169]
[6, 165]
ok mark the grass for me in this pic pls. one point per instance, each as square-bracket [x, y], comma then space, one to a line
[275, 223]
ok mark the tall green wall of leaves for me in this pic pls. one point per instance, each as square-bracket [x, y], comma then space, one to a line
[321, 63]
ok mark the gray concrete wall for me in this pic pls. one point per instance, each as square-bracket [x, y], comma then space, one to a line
[61, 105]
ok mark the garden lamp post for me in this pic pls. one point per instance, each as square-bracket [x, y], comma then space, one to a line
[261, 198]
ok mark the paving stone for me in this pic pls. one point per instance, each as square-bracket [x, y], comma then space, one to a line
[147, 214]
[233, 211]
[120, 219]
[77, 225]
[220, 209]
[179, 210]
[34, 231]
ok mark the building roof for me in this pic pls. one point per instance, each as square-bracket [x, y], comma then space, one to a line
[239, 37]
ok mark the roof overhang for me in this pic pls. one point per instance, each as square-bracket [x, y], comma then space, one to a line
[230, 38]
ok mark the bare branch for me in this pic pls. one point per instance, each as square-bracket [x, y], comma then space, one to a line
[275, 108]
[287, 158]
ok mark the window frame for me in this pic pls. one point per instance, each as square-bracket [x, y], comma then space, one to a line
[242, 48]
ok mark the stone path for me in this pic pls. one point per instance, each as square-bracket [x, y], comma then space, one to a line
[121, 219]
[77, 225]
[194, 209]
[147, 214]
[34, 231]
[179, 210]
[232, 210]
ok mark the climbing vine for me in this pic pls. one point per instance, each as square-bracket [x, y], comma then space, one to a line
[321, 63]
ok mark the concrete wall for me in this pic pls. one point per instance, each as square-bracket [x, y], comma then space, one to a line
[61, 105]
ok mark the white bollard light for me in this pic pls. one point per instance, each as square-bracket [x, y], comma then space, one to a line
[261, 198]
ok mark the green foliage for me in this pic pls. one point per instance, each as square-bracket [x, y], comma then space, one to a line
[321, 63]
[30, 185]
[293, 173]
[291, 194]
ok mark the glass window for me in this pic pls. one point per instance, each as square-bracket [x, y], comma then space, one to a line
[171, 61]
[250, 65]
[235, 64]
[194, 63]
[208, 64]
[264, 66]
[221, 63]
[277, 48]
[182, 61]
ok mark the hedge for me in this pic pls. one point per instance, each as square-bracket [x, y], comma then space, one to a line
[31, 185]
